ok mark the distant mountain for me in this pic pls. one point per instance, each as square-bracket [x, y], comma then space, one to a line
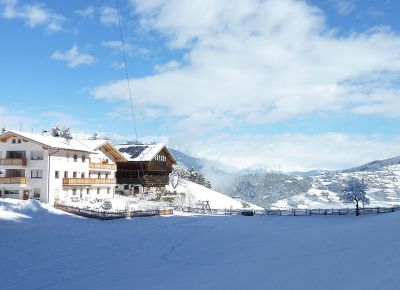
[375, 165]
[186, 160]
[265, 189]
[312, 189]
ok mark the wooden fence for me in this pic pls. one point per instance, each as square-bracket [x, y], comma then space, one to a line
[111, 215]
[293, 212]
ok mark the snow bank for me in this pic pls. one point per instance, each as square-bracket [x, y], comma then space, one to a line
[15, 209]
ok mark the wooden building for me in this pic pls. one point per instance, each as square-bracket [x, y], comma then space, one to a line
[147, 168]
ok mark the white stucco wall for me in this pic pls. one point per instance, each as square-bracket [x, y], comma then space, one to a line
[62, 161]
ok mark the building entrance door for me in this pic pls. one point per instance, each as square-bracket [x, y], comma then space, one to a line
[25, 195]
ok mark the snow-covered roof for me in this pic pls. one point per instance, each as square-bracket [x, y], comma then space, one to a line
[50, 141]
[94, 144]
[143, 152]
[107, 145]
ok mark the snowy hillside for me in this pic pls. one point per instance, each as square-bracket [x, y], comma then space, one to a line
[42, 249]
[383, 181]
[195, 193]
[320, 191]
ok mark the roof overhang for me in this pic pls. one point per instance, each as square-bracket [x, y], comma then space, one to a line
[109, 148]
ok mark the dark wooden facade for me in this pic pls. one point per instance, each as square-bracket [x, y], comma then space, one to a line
[154, 173]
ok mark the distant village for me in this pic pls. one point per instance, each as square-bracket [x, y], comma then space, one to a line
[53, 167]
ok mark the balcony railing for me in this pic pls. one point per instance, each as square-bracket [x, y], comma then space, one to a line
[12, 180]
[147, 180]
[88, 181]
[102, 166]
[12, 161]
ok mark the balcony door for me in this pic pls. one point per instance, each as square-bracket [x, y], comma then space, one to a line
[25, 195]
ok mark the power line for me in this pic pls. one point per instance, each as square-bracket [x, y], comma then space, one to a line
[128, 81]
[126, 72]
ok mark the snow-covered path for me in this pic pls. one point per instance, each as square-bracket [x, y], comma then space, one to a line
[50, 251]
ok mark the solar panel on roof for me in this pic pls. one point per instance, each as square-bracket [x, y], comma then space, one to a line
[133, 151]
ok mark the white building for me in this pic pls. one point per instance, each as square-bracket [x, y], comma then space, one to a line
[54, 169]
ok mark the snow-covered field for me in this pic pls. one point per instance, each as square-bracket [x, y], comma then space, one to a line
[41, 248]
[195, 192]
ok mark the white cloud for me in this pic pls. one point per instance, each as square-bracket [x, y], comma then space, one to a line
[345, 7]
[108, 15]
[130, 49]
[73, 57]
[289, 152]
[61, 118]
[115, 45]
[33, 15]
[12, 119]
[171, 65]
[262, 62]
[86, 13]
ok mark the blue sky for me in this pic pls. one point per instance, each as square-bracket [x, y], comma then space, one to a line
[276, 84]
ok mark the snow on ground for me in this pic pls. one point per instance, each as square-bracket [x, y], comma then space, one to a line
[314, 199]
[49, 250]
[195, 192]
[118, 203]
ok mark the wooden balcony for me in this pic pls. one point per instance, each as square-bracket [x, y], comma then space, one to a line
[147, 180]
[102, 166]
[13, 161]
[88, 181]
[12, 180]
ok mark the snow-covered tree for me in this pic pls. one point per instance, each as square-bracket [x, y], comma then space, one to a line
[178, 175]
[63, 132]
[354, 192]
[198, 178]
[3, 130]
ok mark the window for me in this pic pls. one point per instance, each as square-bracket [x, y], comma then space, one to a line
[7, 191]
[36, 173]
[98, 191]
[74, 174]
[75, 158]
[82, 175]
[83, 158]
[36, 193]
[74, 191]
[65, 174]
[67, 157]
[57, 174]
[126, 186]
[108, 190]
[37, 155]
